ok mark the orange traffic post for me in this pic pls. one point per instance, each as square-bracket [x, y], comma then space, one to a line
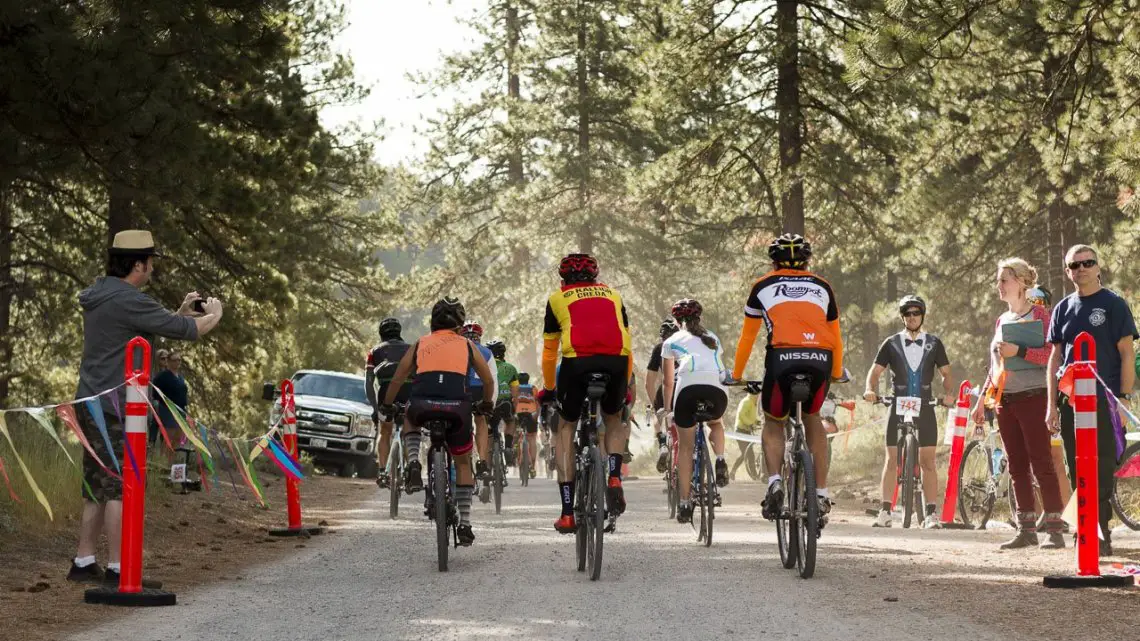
[1088, 508]
[950, 501]
[292, 485]
[130, 591]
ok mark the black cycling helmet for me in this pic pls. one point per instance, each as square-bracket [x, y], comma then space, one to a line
[524, 378]
[790, 250]
[447, 313]
[390, 328]
[912, 301]
[753, 387]
[498, 348]
[668, 328]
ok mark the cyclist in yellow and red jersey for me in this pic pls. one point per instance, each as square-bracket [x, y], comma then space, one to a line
[586, 321]
[798, 309]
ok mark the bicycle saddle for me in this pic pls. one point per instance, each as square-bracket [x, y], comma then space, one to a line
[596, 385]
[801, 387]
[704, 412]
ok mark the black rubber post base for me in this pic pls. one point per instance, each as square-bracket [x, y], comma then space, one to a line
[147, 598]
[301, 531]
[954, 525]
[1103, 581]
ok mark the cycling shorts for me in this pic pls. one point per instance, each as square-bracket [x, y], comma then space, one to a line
[685, 407]
[457, 413]
[528, 422]
[572, 382]
[780, 364]
[504, 411]
[926, 423]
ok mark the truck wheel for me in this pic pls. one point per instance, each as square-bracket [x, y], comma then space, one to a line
[367, 468]
[346, 470]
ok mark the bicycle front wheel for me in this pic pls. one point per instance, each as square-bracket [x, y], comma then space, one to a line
[499, 474]
[807, 513]
[673, 493]
[524, 461]
[439, 495]
[395, 479]
[1126, 489]
[708, 499]
[907, 467]
[975, 494]
[751, 462]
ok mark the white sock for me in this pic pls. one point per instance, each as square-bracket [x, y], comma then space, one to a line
[772, 479]
[720, 458]
[114, 567]
[84, 561]
[823, 492]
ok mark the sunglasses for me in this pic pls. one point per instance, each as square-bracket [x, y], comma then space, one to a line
[1087, 264]
[912, 314]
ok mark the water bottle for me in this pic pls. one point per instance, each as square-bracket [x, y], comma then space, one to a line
[999, 461]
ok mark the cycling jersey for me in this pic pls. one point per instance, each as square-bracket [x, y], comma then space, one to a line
[508, 377]
[473, 379]
[441, 360]
[696, 363]
[799, 310]
[583, 320]
[381, 366]
[526, 403]
[747, 418]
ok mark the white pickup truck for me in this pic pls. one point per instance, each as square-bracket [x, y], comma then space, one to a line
[334, 421]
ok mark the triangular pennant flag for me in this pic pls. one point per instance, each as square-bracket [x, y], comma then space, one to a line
[285, 461]
[97, 415]
[8, 482]
[1131, 469]
[38, 415]
[1066, 382]
[187, 432]
[67, 414]
[161, 427]
[24, 468]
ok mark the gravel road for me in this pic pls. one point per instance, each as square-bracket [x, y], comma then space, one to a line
[375, 578]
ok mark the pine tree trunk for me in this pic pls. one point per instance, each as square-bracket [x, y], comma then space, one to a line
[790, 115]
[7, 287]
[120, 213]
[514, 90]
[585, 236]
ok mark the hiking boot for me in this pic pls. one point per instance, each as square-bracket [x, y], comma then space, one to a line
[721, 473]
[464, 534]
[1053, 541]
[413, 478]
[1106, 546]
[685, 512]
[89, 574]
[565, 524]
[615, 496]
[773, 503]
[1024, 539]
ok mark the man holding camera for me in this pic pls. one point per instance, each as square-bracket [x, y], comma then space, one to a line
[114, 312]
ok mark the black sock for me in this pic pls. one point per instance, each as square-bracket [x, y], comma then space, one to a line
[510, 441]
[661, 438]
[615, 465]
[566, 491]
[930, 508]
[886, 506]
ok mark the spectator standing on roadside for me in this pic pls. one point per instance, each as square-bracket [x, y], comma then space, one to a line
[172, 384]
[114, 312]
[1106, 317]
[1017, 383]
[159, 366]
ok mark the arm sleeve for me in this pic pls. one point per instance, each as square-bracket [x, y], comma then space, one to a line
[748, 334]
[833, 324]
[149, 317]
[549, 361]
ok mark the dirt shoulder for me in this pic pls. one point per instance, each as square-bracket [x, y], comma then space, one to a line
[195, 538]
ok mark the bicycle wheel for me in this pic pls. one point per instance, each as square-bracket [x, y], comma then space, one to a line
[708, 499]
[1126, 489]
[439, 496]
[975, 492]
[808, 513]
[596, 513]
[672, 491]
[581, 498]
[698, 491]
[787, 527]
[751, 462]
[906, 468]
[395, 478]
[498, 474]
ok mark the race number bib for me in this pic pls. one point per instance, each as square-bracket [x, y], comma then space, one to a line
[908, 406]
[178, 473]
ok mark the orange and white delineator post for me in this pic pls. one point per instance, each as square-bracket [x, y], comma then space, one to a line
[130, 590]
[1088, 491]
[962, 412]
[292, 485]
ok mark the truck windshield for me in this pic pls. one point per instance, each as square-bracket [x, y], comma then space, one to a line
[350, 389]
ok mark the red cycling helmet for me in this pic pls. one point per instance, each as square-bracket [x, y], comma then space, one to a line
[471, 328]
[578, 268]
[686, 308]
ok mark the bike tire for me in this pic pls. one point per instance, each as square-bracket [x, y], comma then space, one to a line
[787, 526]
[1126, 490]
[596, 517]
[906, 468]
[439, 494]
[975, 497]
[524, 464]
[698, 491]
[751, 462]
[498, 475]
[672, 491]
[809, 514]
[395, 479]
[581, 491]
[708, 494]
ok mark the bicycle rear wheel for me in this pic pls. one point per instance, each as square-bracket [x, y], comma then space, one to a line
[439, 472]
[395, 479]
[498, 474]
[1126, 489]
[673, 492]
[581, 499]
[596, 512]
[807, 513]
[975, 494]
[751, 462]
[787, 527]
[907, 467]
[708, 499]
[524, 463]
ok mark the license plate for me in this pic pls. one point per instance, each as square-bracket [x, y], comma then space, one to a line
[319, 443]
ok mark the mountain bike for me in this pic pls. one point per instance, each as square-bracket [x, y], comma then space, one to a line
[590, 480]
[908, 470]
[984, 489]
[395, 465]
[1126, 489]
[498, 463]
[672, 484]
[523, 460]
[440, 503]
[548, 421]
[704, 492]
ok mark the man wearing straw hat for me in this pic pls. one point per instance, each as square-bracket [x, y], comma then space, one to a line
[114, 312]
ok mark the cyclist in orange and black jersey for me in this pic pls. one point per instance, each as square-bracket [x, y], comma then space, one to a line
[801, 315]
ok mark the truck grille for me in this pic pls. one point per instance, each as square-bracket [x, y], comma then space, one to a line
[321, 421]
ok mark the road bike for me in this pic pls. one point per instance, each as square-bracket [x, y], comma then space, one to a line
[523, 460]
[498, 479]
[672, 483]
[590, 480]
[704, 491]
[395, 465]
[440, 503]
[548, 423]
[908, 470]
[984, 489]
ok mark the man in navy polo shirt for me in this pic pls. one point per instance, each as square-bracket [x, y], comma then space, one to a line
[1106, 317]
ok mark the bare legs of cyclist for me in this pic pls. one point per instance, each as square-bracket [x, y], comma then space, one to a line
[662, 443]
[464, 489]
[564, 451]
[817, 443]
[532, 450]
[383, 449]
[508, 427]
[716, 438]
[929, 486]
[774, 442]
[686, 443]
[413, 477]
[887, 485]
[482, 438]
[617, 435]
